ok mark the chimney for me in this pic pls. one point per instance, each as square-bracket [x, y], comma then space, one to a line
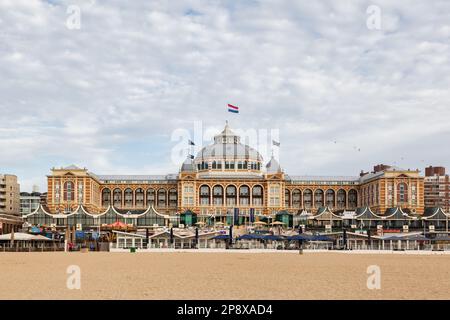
[432, 171]
[380, 167]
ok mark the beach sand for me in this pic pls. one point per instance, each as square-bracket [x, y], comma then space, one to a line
[184, 275]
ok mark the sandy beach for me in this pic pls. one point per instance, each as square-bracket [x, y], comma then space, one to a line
[223, 276]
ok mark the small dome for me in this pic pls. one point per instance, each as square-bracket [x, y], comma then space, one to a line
[188, 165]
[273, 166]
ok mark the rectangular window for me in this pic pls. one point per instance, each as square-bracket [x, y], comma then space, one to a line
[274, 201]
[257, 201]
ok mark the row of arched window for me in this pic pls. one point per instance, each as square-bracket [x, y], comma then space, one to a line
[219, 196]
[319, 198]
[229, 165]
[295, 199]
[140, 197]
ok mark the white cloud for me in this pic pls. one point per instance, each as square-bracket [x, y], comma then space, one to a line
[109, 95]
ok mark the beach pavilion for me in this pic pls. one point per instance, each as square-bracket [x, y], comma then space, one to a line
[182, 238]
[18, 241]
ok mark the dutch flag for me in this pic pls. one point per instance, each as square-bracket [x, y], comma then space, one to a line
[233, 109]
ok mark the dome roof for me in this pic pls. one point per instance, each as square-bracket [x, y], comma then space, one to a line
[227, 146]
[188, 165]
[273, 166]
[229, 151]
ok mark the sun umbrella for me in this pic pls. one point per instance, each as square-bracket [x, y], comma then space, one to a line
[277, 223]
[222, 237]
[262, 223]
[200, 223]
[118, 225]
[272, 237]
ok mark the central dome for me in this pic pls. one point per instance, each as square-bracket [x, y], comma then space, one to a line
[228, 153]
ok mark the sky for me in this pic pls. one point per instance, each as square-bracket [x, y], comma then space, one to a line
[343, 85]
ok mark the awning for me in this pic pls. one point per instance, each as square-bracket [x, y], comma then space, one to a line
[221, 237]
[299, 237]
[273, 238]
[250, 237]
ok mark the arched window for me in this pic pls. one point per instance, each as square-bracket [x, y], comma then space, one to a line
[205, 195]
[128, 197]
[257, 195]
[214, 165]
[402, 192]
[330, 198]
[318, 198]
[117, 197]
[287, 198]
[307, 199]
[341, 199]
[161, 198]
[352, 199]
[106, 197]
[150, 197]
[173, 198]
[296, 199]
[139, 197]
[231, 195]
[69, 192]
[218, 195]
[244, 196]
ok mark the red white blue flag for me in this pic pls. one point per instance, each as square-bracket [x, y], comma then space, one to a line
[233, 109]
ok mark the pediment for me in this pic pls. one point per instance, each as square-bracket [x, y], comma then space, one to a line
[188, 176]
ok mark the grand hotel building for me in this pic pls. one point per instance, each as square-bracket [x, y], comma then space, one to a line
[227, 175]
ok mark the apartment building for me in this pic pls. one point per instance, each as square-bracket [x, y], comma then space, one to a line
[9, 194]
[437, 188]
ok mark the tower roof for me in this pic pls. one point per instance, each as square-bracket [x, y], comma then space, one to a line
[273, 166]
[188, 165]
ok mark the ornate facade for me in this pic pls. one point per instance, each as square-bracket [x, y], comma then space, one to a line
[228, 175]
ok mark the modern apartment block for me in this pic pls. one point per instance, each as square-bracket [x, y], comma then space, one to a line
[29, 202]
[437, 188]
[9, 194]
[9, 204]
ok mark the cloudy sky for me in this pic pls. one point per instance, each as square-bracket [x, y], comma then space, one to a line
[111, 95]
